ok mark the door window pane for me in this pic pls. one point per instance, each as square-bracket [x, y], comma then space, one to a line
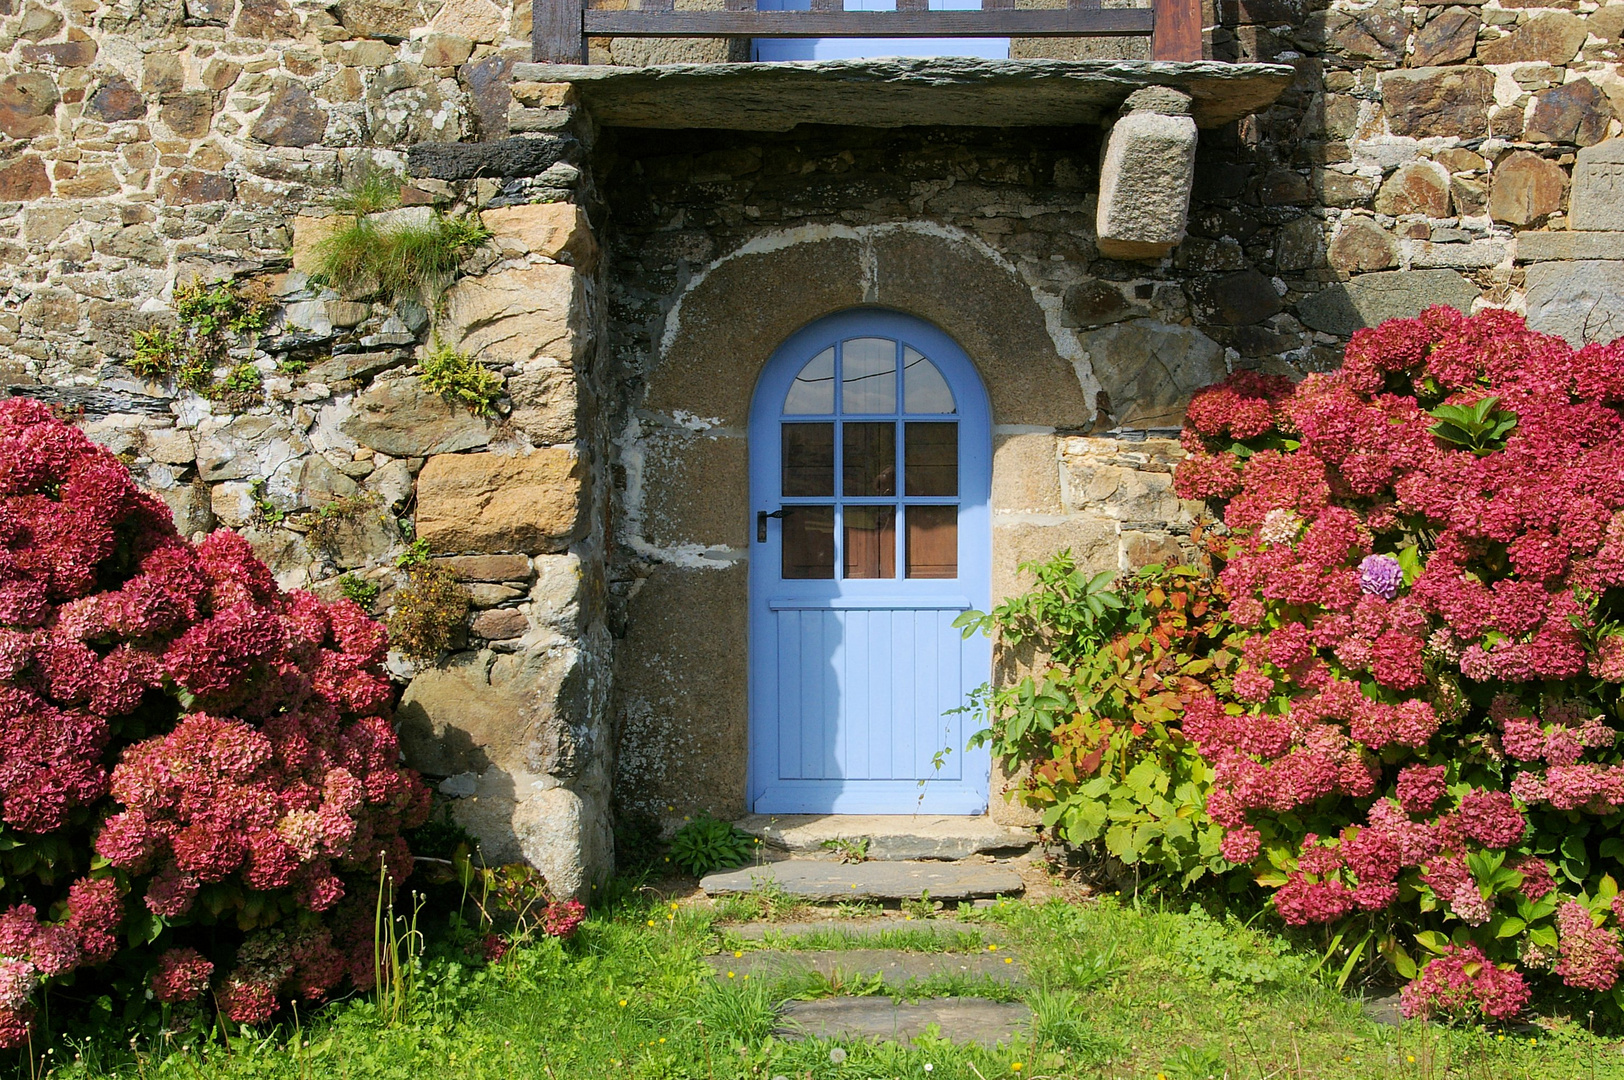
[869, 460]
[868, 376]
[923, 388]
[933, 541]
[809, 460]
[871, 541]
[932, 452]
[813, 390]
[809, 542]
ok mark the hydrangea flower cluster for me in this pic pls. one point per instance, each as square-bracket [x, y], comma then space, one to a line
[168, 708]
[1425, 641]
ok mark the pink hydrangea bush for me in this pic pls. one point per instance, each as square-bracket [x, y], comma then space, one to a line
[199, 766]
[1423, 720]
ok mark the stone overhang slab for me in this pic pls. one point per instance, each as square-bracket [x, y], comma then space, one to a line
[904, 92]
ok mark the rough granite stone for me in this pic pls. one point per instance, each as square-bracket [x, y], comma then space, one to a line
[1361, 244]
[901, 92]
[1447, 101]
[1148, 369]
[1580, 301]
[518, 315]
[960, 1020]
[24, 178]
[114, 100]
[1527, 187]
[1553, 37]
[1565, 244]
[1577, 112]
[28, 100]
[1416, 187]
[291, 118]
[487, 567]
[1370, 299]
[1597, 201]
[516, 156]
[1449, 36]
[1145, 180]
[490, 502]
[814, 880]
[558, 231]
[401, 418]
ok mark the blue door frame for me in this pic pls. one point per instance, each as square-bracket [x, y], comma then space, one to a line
[854, 664]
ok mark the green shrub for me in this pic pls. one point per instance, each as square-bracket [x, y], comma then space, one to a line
[707, 844]
[429, 612]
[1096, 726]
[460, 378]
[367, 259]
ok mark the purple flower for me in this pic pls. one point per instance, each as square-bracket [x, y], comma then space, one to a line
[1381, 575]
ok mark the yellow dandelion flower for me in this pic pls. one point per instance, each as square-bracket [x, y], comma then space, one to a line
[992, 948]
[662, 1038]
[1009, 959]
[1410, 1058]
[651, 922]
[737, 953]
[730, 975]
[1015, 1066]
[622, 1003]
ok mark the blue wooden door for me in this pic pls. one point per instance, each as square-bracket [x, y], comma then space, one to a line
[870, 469]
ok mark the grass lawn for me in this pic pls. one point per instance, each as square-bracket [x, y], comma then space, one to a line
[1118, 992]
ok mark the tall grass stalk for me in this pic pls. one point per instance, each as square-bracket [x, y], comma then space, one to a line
[397, 950]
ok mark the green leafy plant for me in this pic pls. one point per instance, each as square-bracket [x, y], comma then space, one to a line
[1096, 727]
[1481, 428]
[212, 320]
[266, 512]
[706, 844]
[360, 590]
[849, 851]
[430, 611]
[242, 382]
[460, 378]
[416, 554]
[366, 258]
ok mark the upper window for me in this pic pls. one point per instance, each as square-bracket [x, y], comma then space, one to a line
[870, 48]
[873, 374]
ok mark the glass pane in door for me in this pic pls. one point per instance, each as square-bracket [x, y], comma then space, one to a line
[871, 541]
[809, 542]
[868, 376]
[809, 461]
[869, 460]
[932, 459]
[933, 541]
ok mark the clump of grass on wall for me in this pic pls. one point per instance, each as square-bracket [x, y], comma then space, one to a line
[375, 191]
[367, 259]
[460, 378]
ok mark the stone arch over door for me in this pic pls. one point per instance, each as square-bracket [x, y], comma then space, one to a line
[681, 680]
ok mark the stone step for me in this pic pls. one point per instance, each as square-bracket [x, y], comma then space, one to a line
[960, 1020]
[812, 879]
[791, 933]
[844, 967]
[890, 837]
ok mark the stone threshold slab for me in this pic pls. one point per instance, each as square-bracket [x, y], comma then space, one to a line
[896, 969]
[960, 1020]
[859, 929]
[904, 92]
[813, 880]
[889, 836]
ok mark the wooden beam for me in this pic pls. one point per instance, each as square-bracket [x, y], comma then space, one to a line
[1044, 22]
[555, 32]
[1178, 30]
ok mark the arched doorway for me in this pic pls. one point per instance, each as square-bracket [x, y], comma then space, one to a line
[870, 465]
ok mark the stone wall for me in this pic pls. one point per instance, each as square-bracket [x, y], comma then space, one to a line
[150, 145]
[1451, 153]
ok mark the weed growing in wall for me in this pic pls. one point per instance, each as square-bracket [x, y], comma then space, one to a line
[430, 611]
[707, 844]
[376, 191]
[212, 320]
[416, 260]
[359, 589]
[460, 378]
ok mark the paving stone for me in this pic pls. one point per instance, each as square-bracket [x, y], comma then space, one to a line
[789, 932]
[814, 880]
[897, 969]
[890, 837]
[960, 1020]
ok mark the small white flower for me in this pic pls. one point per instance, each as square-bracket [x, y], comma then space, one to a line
[837, 1055]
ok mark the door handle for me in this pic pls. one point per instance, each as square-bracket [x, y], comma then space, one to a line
[761, 523]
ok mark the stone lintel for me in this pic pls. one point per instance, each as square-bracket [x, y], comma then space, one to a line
[904, 92]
